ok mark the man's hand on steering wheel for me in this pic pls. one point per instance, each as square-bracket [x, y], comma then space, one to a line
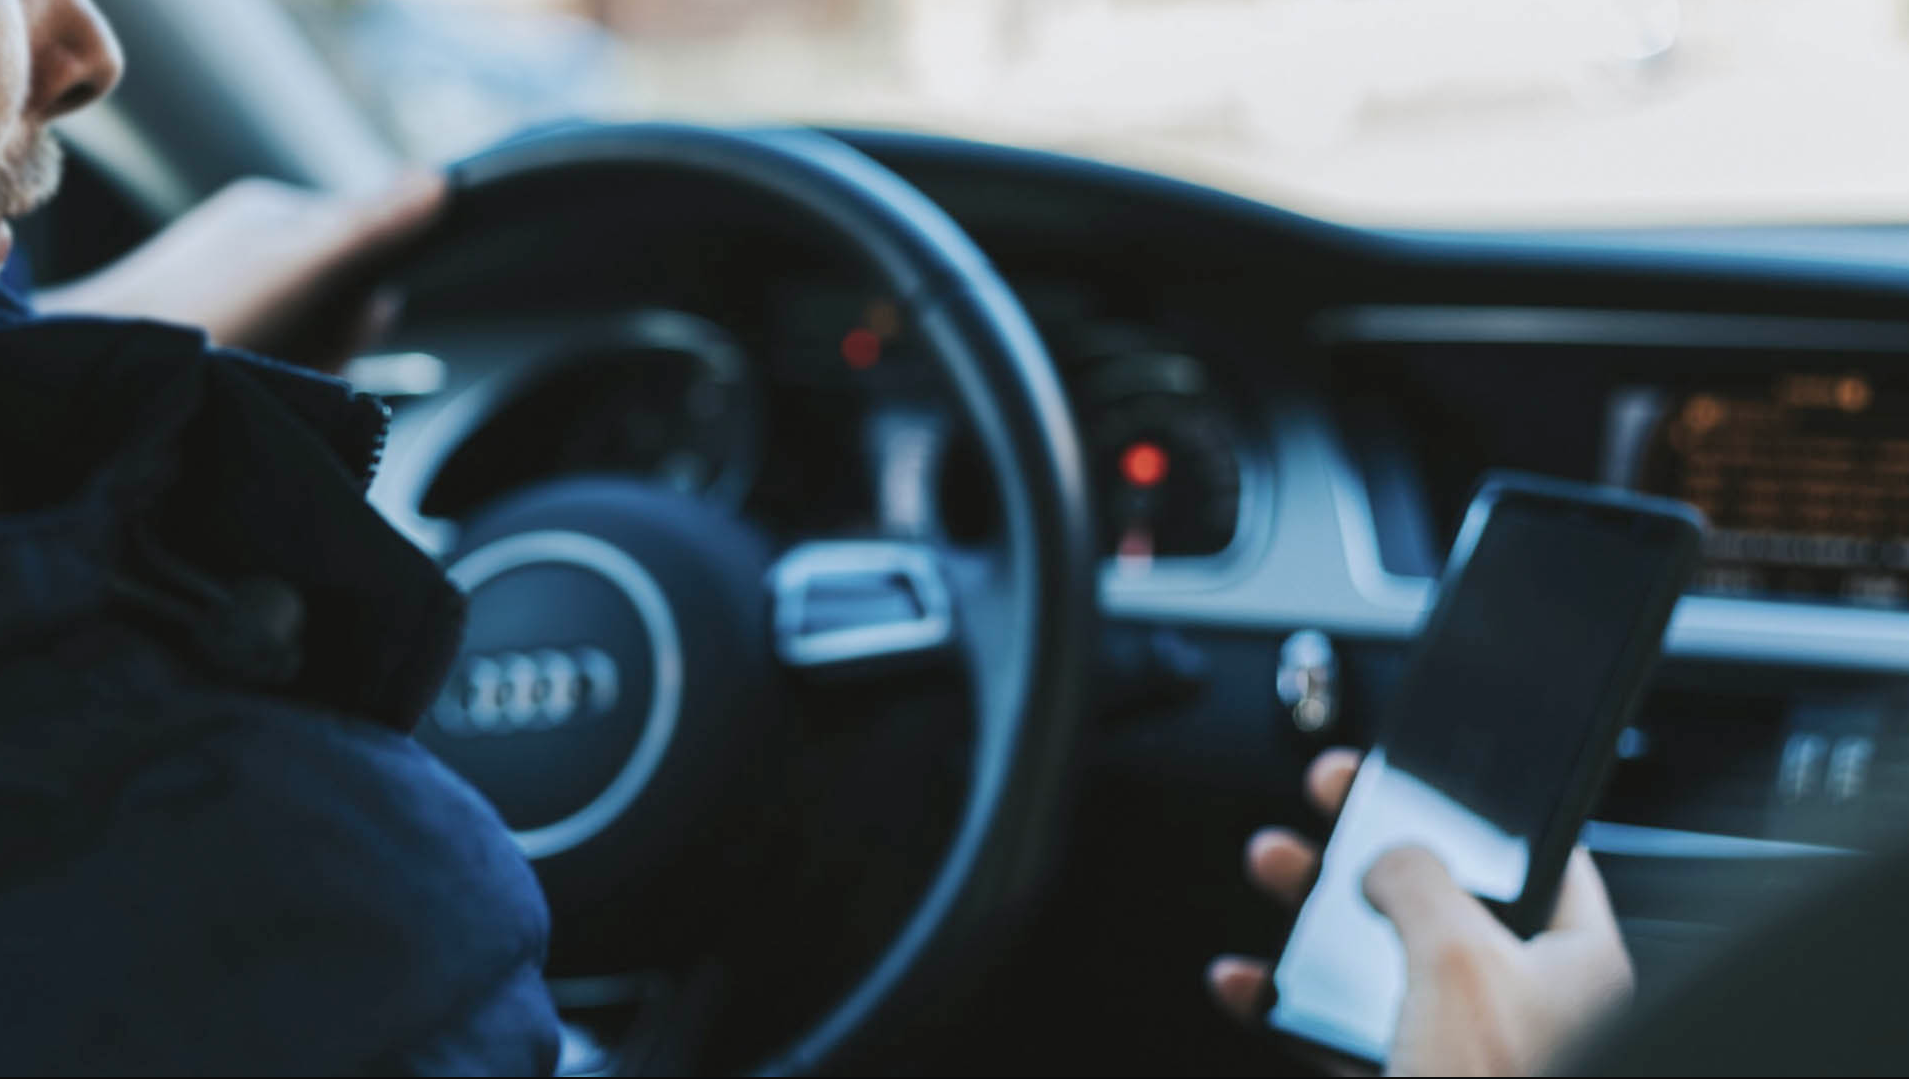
[263, 265]
[1478, 1000]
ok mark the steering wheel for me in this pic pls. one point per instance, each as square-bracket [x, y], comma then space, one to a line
[627, 645]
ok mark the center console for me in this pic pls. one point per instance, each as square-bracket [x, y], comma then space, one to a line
[1746, 768]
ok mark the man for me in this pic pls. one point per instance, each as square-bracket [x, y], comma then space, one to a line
[221, 851]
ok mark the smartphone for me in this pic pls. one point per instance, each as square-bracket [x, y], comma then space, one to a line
[1501, 729]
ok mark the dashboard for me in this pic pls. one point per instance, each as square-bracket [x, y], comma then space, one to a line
[1283, 420]
[834, 377]
[1795, 454]
[1803, 474]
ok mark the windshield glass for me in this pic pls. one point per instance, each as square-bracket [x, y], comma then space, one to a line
[1441, 113]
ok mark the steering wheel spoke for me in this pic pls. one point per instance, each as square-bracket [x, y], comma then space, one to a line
[848, 607]
[435, 536]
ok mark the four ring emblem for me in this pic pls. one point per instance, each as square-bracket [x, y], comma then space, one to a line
[510, 692]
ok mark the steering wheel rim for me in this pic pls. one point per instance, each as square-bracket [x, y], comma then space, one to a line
[1030, 667]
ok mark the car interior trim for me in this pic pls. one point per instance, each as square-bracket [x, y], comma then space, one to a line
[1332, 578]
[1645, 841]
[1474, 325]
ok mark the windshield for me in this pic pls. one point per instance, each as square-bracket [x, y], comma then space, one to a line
[1439, 113]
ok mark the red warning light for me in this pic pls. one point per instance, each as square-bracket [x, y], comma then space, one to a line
[862, 348]
[1144, 464]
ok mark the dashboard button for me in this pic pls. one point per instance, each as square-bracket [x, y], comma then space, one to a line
[1308, 681]
[1800, 771]
[1848, 770]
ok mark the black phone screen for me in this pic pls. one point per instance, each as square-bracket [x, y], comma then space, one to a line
[1511, 686]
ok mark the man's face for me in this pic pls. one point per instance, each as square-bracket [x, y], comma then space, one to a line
[56, 56]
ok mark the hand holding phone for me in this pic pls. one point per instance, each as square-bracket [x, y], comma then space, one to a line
[1479, 1000]
[1475, 1002]
[1503, 726]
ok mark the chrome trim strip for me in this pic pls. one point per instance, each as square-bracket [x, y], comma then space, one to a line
[1409, 324]
[1644, 841]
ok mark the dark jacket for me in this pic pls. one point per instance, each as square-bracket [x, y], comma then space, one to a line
[220, 850]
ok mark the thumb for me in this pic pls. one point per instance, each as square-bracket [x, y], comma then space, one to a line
[1431, 912]
[1583, 904]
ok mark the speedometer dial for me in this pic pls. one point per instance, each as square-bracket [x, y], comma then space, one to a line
[1168, 475]
[672, 402]
[661, 396]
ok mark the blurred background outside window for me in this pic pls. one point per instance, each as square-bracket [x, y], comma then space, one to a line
[1436, 113]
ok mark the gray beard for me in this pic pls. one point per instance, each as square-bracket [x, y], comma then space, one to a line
[30, 174]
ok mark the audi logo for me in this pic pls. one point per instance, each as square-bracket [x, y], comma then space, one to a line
[523, 691]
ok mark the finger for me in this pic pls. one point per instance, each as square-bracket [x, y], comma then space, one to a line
[1583, 903]
[1329, 777]
[1583, 940]
[351, 232]
[1243, 988]
[400, 211]
[1282, 864]
[1410, 886]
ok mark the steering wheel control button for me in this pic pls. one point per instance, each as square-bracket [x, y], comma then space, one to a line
[1307, 681]
[859, 605]
[566, 697]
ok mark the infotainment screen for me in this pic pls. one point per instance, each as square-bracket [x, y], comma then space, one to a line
[1805, 479]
